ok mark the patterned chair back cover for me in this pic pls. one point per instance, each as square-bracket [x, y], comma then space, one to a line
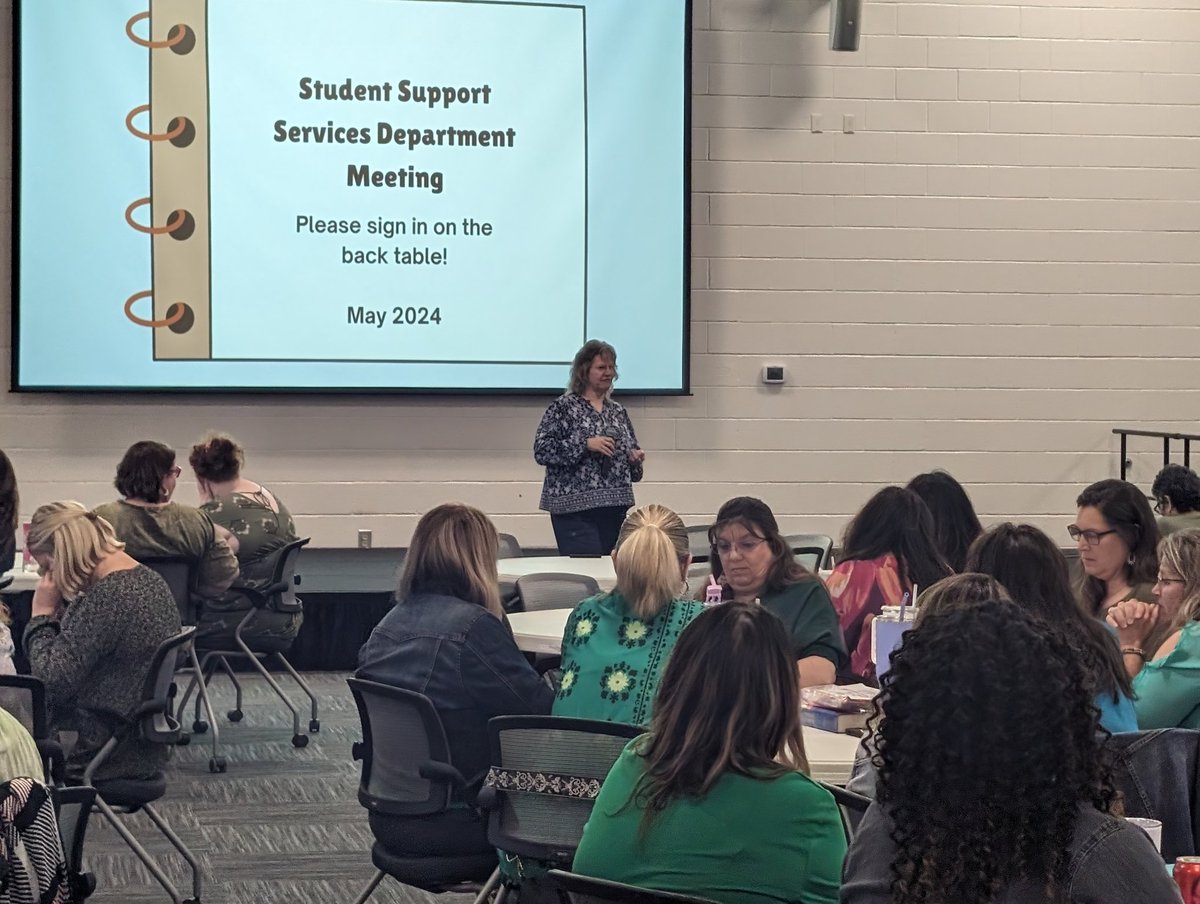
[547, 771]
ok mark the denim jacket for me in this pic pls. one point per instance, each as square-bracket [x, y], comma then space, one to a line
[1158, 772]
[464, 660]
[1111, 861]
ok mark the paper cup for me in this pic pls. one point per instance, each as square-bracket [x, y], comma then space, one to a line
[1151, 827]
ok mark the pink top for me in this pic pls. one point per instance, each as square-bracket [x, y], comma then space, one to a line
[859, 590]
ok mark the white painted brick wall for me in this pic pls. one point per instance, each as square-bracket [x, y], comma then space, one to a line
[998, 265]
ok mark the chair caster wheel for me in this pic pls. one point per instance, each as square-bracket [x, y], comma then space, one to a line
[235, 715]
[314, 726]
[300, 740]
[184, 740]
[199, 726]
[216, 764]
[191, 901]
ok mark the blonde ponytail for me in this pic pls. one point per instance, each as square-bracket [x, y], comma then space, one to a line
[651, 549]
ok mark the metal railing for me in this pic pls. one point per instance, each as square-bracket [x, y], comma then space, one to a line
[1125, 433]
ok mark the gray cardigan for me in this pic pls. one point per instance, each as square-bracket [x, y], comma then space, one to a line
[95, 661]
[1111, 862]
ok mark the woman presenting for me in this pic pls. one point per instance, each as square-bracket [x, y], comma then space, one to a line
[591, 455]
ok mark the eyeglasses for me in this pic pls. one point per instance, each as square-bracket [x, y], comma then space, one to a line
[1163, 580]
[744, 546]
[1091, 537]
[1161, 504]
[175, 471]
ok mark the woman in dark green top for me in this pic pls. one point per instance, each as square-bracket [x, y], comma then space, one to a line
[714, 801]
[752, 561]
[262, 525]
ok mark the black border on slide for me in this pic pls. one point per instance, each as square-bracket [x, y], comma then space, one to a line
[217, 391]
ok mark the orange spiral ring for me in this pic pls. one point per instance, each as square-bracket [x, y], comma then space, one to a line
[173, 222]
[170, 320]
[153, 45]
[152, 136]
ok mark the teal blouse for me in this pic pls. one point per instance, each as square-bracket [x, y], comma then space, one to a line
[1168, 689]
[747, 841]
[612, 661]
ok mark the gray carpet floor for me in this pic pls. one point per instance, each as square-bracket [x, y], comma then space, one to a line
[282, 824]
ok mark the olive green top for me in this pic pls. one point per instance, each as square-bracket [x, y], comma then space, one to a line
[808, 614]
[1168, 524]
[748, 841]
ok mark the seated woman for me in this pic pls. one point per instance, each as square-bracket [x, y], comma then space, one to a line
[150, 525]
[962, 591]
[1176, 492]
[1117, 537]
[955, 524]
[262, 525]
[9, 505]
[889, 549]
[98, 619]
[616, 644]
[1018, 807]
[446, 638]
[752, 561]
[714, 801]
[1037, 576]
[1168, 686]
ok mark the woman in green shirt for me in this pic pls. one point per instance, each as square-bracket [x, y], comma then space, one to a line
[616, 644]
[1167, 687]
[714, 801]
[752, 561]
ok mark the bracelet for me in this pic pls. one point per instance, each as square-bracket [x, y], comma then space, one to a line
[1134, 651]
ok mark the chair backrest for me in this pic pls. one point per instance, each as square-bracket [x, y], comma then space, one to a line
[546, 773]
[698, 544]
[280, 595]
[554, 591]
[586, 890]
[178, 573]
[25, 699]
[406, 769]
[74, 806]
[851, 806]
[157, 723]
[509, 547]
[813, 551]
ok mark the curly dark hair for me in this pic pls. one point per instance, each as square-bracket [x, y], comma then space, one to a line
[142, 469]
[990, 743]
[217, 458]
[896, 520]
[1180, 485]
[955, 524]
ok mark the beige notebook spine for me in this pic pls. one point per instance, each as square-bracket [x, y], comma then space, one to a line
[175, 124]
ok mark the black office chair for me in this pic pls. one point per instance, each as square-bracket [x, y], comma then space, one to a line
[154, 722]
[24, 697]
[277, 596]
[74, 806]
[851, 806]
[546, 772]
[813, 551]
[586, 890]
[698, 543]
[5, 580]
[406, 771]
[179, 574]
[554, 591]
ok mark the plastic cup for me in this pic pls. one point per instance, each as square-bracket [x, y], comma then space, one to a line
[1151, 827]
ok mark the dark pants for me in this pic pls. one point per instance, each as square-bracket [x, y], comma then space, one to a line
[592, 532]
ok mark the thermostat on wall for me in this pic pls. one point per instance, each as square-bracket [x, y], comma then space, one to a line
[774, 373]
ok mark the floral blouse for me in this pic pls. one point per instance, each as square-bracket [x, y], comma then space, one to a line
[859, 589]
[612, 661]
[578, 479]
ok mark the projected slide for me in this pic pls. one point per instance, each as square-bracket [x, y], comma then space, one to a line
[350, 194]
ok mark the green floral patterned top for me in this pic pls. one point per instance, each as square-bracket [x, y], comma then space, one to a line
[260, 531]
[612, 661]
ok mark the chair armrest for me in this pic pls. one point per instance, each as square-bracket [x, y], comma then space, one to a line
[442, 772]
[259, 596]
[4, 582]
[51, 752]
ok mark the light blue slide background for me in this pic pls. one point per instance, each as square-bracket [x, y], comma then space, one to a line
[79, 261]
